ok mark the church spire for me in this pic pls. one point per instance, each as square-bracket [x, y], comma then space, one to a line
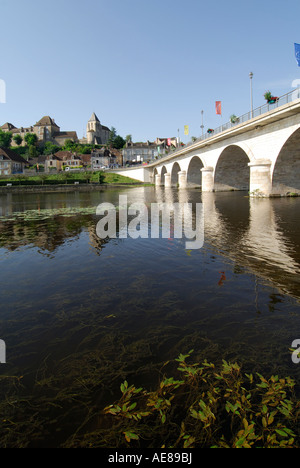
[94, 118]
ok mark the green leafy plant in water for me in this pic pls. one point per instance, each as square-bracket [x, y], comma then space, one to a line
[207, 407]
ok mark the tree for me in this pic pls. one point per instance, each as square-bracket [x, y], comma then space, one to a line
[128, 138]
[112, 136]
[50, 148]
[118, 142]
[18, 139]
[69, 145]
[32, 151]
[30, 139]
[5, 139]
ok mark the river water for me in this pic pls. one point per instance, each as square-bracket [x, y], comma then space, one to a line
[79, 314]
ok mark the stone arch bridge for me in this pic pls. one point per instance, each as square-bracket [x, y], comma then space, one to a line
[261, 155]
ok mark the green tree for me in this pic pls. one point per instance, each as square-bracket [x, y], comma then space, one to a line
[69, 145]
[30, 139]
[118, 142]
[50, 148]
[5, 139]
[18, 139]
[32, 152]
[112, 136]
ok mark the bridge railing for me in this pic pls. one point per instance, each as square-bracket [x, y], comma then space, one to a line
[281, 101]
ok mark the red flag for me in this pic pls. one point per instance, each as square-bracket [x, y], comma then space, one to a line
[218, 108]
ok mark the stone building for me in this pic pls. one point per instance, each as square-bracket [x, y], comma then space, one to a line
[139, 152]
[46, 129]
[62, 159]
[97, 134]
[102, 158]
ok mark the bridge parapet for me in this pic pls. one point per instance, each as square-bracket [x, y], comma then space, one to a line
[261, 156]
[257, 113]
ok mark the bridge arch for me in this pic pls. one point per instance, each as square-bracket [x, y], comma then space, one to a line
[162, 174]
[174, 173]
[194, 174]
[232, 171]
[286, 172]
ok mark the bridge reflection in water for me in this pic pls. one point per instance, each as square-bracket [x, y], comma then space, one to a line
[260, 234]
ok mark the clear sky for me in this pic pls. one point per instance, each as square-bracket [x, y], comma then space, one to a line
[146, 67]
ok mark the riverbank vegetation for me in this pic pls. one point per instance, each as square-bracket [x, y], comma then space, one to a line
[204, 406]
[84, 177]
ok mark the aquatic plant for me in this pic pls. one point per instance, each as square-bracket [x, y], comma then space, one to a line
[206, 407]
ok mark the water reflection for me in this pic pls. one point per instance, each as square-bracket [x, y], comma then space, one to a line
[258, 234]
[80, 314]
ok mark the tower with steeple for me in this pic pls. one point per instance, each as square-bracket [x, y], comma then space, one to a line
[96, 133]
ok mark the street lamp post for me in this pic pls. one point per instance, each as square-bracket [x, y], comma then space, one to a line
[251, 94]
[202, 126]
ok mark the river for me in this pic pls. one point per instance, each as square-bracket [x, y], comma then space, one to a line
[79, 314]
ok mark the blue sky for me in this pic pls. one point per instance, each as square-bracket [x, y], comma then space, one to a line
[145, 67]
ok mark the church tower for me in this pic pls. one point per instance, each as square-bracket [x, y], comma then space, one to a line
[93, 130]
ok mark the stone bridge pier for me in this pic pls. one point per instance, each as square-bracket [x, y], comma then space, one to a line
[260, 177]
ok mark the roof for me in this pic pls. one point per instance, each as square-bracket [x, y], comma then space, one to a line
[46, 120]
[12, 155]
[62, 154]
[148, 144]
[93, 118]
[65, 155]
[7, 126]
[72, 135]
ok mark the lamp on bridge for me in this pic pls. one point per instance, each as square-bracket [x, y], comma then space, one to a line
[251, 94]
[202, 126]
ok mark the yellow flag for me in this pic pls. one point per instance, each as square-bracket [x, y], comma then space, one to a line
[186, 129]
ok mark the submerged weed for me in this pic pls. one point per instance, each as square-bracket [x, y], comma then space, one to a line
[207, 407]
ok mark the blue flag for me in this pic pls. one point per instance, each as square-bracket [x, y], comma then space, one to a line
[297, 53]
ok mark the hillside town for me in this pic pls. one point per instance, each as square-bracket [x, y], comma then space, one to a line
[44, 147]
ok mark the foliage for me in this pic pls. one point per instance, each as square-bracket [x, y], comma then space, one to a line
[268, 95]
[50, 148]
[206, 407]
[118, 142]
[5, 139]
[31, 139]
[115, 140]
[18, 139]
[270, 98]
[234, 118]
[69, 177]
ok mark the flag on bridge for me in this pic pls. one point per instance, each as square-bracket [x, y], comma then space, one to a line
[218, 108]
[186, 129]
[297, 53]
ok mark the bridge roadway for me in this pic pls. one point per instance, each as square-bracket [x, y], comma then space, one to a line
[261, 155]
